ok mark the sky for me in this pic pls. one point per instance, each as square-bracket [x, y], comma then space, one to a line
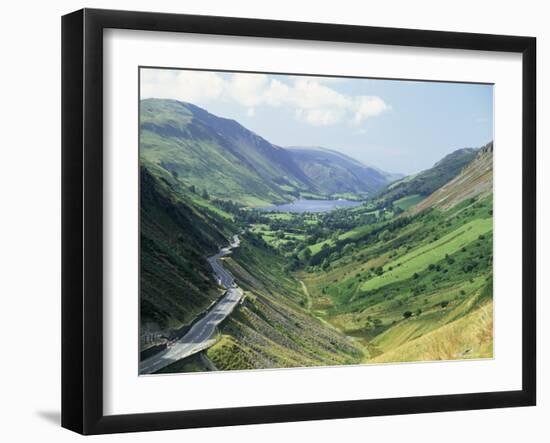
[398, 126]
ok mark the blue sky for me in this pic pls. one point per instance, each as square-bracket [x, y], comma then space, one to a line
[398, 126]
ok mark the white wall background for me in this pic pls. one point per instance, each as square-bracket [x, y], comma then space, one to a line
[30, 219]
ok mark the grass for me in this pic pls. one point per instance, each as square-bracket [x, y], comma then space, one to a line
[408, 201]
[468, 337]
[420, 258]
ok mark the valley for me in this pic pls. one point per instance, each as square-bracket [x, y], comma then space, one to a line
[338, 262]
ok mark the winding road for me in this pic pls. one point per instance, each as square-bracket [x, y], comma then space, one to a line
[200, 336]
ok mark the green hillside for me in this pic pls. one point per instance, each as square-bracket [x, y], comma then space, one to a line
[177, 234]
[399, 282]
[475, 180]
[426, 182]
[273, 327]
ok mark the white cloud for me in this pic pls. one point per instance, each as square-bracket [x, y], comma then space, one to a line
[189, 86]
[277, 94]
[366, 106]
[248, 89]
[312, 99]
[309, 94]
[322, 117]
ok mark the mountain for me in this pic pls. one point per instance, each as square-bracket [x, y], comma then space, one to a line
[217, 155]
[336, 173]
[230, 162]
[429, 180]
[475, 180]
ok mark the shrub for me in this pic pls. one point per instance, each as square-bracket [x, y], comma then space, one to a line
[407, 314]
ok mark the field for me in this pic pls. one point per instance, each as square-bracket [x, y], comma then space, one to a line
[408, 201]
[390, 292]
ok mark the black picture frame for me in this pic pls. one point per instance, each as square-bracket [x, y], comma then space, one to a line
[82, 219]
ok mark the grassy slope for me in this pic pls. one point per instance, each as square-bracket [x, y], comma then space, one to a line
[176, 236]
[435, 265]
[273, 328]
[428, 181]
[408, 201]
[404, 266]
[470, 336]
[476, 180]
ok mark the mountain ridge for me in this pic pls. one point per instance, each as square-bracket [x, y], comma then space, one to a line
[474, 181]
[337, 172]
[429, 180]
[231, 162]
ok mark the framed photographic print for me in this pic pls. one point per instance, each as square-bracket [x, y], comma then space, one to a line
[270, 221]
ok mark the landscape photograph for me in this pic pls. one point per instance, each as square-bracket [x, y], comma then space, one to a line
[294, 221]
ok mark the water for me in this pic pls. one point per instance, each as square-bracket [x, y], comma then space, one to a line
[304, 205]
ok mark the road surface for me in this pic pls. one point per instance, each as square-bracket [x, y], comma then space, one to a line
[199, 337]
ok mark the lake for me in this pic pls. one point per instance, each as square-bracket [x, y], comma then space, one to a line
[304, 205]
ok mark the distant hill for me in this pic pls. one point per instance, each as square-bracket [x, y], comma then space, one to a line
[230, 162]
[336, 173]
[475, 180]
[426, 182]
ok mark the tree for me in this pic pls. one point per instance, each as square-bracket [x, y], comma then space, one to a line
[385, 235]
[307, 254]
[193, 189]
[348, 248]
[205, 195]
[407, 314]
